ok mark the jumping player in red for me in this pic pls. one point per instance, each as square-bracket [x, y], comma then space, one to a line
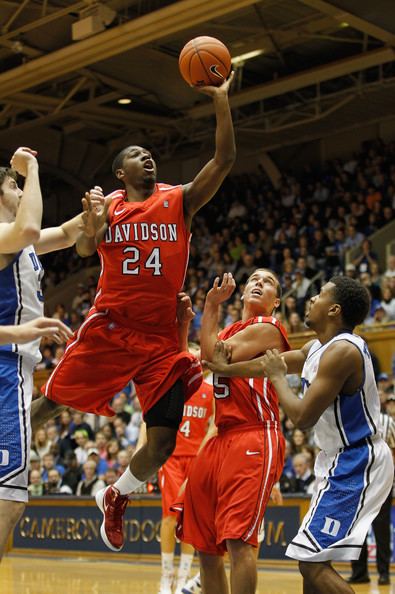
[142, 235]
[230, 482]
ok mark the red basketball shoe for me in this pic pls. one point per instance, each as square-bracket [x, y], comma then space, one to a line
[112, 505]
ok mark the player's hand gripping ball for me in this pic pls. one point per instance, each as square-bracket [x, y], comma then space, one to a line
[205, 61]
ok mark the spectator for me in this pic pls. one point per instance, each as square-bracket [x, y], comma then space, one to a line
[42, 444]
[72, 474]
[379, 316]
[81, 438]
[304, 478]
[390, 272]
[53, 486]
[36, 485]
[91, 484]
[388, 303]
[48, 464]
[366, 258]
[101, 464]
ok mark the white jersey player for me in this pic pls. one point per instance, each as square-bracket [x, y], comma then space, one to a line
[21, 302]
[354, 469]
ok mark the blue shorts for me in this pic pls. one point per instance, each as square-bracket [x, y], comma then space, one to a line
[16, 382]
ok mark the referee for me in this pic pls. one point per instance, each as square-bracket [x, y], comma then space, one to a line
[381, 524]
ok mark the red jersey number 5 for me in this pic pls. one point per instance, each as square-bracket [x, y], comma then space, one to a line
[152, 262]
[221, 386]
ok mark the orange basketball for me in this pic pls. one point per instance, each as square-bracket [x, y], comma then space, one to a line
[205, 61]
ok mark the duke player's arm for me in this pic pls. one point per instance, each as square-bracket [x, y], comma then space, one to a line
[25, 230]
[59, 238]
[221, 365]
[340, 371]
[35, 329]
[208, 180]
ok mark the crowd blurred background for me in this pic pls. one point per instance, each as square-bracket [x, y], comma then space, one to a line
[301, 229]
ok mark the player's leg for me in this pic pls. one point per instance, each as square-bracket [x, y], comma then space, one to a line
[243, 575]
[15, 400]
[184, 568]
[10, 512]
[43, 410]
[212, 574]
[321, 578]
[167, 545]
[162, 422]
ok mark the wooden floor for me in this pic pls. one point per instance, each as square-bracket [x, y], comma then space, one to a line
[31, 575]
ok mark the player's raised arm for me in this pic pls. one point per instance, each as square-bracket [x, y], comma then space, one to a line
[25, 206]
[219, 293]
[209, 179]
[304, 413]
[93, 224]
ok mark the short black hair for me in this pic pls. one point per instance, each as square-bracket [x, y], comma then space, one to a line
[353, 298]
[118, 161]
[7, 172]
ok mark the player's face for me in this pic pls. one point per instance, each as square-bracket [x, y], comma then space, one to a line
[11, 196]
[320, 304]
[260, 292]
[138, 165]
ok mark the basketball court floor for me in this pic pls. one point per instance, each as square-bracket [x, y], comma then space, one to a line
[33, 575]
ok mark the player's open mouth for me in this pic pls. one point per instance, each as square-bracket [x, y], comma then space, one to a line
[148, 166]
[256, 292]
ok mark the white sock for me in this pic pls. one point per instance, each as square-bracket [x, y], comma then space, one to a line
[184, 567]
[167, 563]
[127, 483]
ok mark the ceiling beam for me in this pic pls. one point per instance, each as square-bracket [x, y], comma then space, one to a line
[352, 19]
[300, 80]
[158, 24]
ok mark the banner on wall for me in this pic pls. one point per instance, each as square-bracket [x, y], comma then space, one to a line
[66, 527]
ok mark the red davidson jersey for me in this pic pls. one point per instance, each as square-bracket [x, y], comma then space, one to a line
[144, 256]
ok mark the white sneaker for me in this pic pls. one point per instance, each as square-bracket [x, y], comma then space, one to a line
[192, 586]
[166, 583]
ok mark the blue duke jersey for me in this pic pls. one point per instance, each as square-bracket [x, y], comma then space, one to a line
[351, 418]
[21, 299]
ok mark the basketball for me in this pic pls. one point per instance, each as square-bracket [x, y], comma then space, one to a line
[205, 61]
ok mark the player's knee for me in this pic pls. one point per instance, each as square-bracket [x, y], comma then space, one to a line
[15, 511]
[309, 570]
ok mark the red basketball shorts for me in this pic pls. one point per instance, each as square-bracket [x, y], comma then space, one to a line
[103, 356]
[171, 476]
[229, 485]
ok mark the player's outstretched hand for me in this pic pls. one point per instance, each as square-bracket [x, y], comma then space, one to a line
[49, 327]
[223, 89]
[273, 364]
[185, 312]
[21, 159]
[93, 217]
[221, 291]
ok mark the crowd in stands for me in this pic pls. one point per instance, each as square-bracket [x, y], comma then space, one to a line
[301, 229]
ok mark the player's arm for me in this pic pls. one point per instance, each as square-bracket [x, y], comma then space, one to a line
[224, 363]
[185, 315]
[59, 238]
[34, 329]
[93, 226]
[25, 230]
[340, 370]
[220, 292]
[208, 180]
